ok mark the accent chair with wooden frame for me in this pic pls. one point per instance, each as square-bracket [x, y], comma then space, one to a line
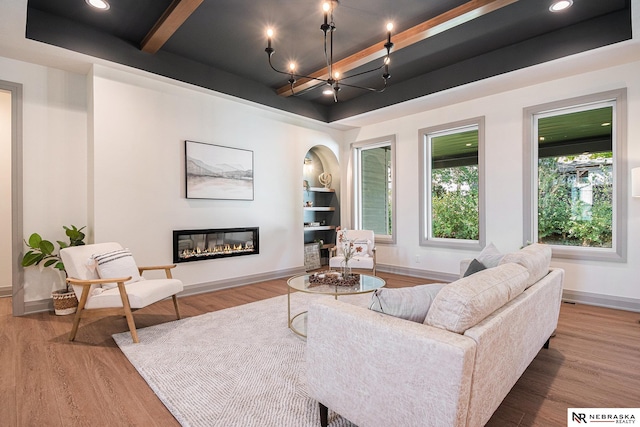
[113, 295]
[366, 259]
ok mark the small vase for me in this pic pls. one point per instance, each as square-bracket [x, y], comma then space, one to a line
[346, 269]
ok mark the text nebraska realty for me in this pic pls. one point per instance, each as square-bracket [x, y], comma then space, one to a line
[605, 418]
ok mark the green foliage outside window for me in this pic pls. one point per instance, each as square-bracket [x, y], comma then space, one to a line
[563, 218]
[454, 203]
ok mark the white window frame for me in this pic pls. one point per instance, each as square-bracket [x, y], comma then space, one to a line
[618, 98]
[424, 136]
[356, 149]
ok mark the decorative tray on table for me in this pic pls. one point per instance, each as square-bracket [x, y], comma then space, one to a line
[331, 277]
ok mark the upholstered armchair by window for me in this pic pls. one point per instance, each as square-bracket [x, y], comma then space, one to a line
[107, 281]
[363, 244]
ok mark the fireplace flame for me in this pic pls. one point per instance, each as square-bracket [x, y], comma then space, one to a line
[223, 249]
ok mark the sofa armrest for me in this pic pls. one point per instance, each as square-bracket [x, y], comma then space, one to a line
[376, 369]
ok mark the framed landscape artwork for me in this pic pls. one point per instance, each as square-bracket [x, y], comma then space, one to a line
[217, 172]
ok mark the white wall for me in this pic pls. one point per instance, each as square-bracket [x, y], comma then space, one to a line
[54, 157]
[504, 153]
[139, 127]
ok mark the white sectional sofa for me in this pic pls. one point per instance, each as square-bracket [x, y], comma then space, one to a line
[479, 335]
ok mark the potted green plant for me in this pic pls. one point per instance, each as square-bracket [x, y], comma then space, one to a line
[43, 251]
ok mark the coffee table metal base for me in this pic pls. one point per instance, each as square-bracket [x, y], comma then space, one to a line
[298, 323]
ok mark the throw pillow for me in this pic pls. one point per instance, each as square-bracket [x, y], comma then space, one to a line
[535, 258]
[474, 267]
[490, 256]
[406, 303]
[116, 264]
[360, 249]
[466, 302]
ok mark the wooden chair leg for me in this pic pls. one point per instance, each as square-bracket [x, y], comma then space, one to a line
[127, 312]
[79, 310]
[324, 415]
[175, 305]
[76, 323]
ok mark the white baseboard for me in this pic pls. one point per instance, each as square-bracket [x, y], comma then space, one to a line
[588, 298]
[31, 307]
[38, 306]
[239, 281]
[5, 291]
[414, 272]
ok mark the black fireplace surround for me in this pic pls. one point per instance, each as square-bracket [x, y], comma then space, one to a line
[198, 245]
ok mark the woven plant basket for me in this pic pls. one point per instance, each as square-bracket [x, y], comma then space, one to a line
[64, 302]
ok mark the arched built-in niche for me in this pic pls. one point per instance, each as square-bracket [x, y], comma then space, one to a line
[321, 200]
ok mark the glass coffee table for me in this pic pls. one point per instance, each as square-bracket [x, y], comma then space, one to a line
[298, 323]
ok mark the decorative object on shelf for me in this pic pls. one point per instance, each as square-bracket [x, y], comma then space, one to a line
[40, 250]
[309, 203]
[325, 179]
[333, 278]
[331, 80]
[217, 172]
[311, 256]
[305, 184]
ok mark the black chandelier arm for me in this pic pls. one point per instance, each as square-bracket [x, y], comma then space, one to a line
[367, 88]
[297, 76]
[363, 72]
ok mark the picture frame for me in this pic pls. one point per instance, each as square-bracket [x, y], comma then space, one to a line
[218, 172]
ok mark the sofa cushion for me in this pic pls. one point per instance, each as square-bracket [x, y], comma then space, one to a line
[490, 256]
[536, 258]
[465, 302]
[406, 303]
[474, 267]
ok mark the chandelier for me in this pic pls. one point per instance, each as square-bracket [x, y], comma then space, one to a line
[335, 80]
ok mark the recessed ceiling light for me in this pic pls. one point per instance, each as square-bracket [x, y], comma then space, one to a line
[98, 4]
[559, 5]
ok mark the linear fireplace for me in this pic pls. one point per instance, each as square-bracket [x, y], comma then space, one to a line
[198, 245]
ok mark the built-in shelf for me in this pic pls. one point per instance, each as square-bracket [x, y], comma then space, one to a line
[320, 204]
[320, 208]
[320, 228]
[322, 190]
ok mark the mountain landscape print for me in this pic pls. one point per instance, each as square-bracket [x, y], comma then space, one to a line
[217, 172]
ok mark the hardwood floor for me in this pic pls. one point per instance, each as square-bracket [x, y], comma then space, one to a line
[45, 380]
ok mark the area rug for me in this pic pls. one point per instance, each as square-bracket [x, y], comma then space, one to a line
[236, 367]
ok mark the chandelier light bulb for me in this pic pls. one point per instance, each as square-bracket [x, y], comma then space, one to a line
[269, 32]
[292, 66]
[326, 6]
[557, 6]
[336, 75]
[389, 26]
[98, 4]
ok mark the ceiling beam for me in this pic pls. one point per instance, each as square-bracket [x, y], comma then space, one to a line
[443, 22]
[172, 18]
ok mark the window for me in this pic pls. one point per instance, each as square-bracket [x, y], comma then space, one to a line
[374, 200]
[452, 185]
[575, 176]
